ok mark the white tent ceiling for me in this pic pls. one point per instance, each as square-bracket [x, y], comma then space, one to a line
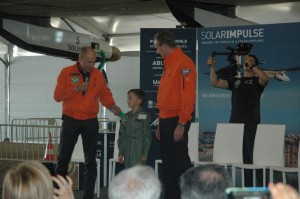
[119, 21]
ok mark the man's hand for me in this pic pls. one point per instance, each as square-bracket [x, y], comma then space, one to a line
[64, 189]
[211, 62]
[283, 191]
[121, 159]
[115, 109]
[143, 159]
[82, 87]
[157, 133]
[178, 133]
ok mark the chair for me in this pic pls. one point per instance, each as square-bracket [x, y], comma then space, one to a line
[285, 170]
[78, 156]
[114, 160]
[192, 145]
[228, 145]
[267, 152]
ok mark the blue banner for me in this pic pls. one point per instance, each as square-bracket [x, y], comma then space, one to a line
[278, 48]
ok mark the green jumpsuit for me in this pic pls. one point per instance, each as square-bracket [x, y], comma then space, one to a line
[134, 137]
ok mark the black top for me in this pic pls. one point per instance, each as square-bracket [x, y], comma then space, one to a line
[245, 100]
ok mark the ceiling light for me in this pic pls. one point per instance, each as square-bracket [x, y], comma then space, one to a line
[281, 7]
[114, 28]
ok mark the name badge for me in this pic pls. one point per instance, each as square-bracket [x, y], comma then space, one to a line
[142, 116]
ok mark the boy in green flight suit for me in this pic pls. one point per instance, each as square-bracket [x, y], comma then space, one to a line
[135, 134]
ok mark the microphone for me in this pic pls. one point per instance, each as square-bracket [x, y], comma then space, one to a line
[86, 80]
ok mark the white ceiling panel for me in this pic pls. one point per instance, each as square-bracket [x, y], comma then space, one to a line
[271, 13]
[120, 21]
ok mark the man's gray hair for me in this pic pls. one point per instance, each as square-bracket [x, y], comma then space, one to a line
[138, 182]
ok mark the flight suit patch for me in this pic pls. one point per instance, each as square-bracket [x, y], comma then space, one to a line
[75, 77]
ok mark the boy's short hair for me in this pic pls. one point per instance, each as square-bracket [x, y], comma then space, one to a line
[139, 93]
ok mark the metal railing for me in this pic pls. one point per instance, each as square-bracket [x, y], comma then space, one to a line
[27, 142]
[26, 139]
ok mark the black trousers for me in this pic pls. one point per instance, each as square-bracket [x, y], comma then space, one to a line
[248, 142]
[71, 129]
[248, 146]
[175, 157]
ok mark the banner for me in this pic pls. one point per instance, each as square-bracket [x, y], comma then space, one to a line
[278, 48]
[151, 70]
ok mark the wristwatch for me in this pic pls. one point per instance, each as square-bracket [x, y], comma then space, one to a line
[181, 124]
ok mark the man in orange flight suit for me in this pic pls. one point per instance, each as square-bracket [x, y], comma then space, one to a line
[80, 87]
[176, 103]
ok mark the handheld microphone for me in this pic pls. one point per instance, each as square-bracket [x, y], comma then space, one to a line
[86, 80]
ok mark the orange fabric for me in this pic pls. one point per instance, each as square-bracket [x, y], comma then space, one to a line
[74, 103]
[177, 89]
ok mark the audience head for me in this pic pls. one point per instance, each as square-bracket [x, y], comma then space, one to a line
[28, 180]
[205, 182]
[138, 182]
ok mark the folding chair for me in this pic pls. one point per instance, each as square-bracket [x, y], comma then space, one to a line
[285, 170]
[228, 145]
[268, 151]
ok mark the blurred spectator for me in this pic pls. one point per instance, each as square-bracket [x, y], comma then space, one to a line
[205, 182]
[32, 180]
[138, 182]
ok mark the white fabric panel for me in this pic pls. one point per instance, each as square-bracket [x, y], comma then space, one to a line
[33, 80]
[123, 75]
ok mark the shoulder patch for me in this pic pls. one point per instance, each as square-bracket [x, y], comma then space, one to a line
[185, 71]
